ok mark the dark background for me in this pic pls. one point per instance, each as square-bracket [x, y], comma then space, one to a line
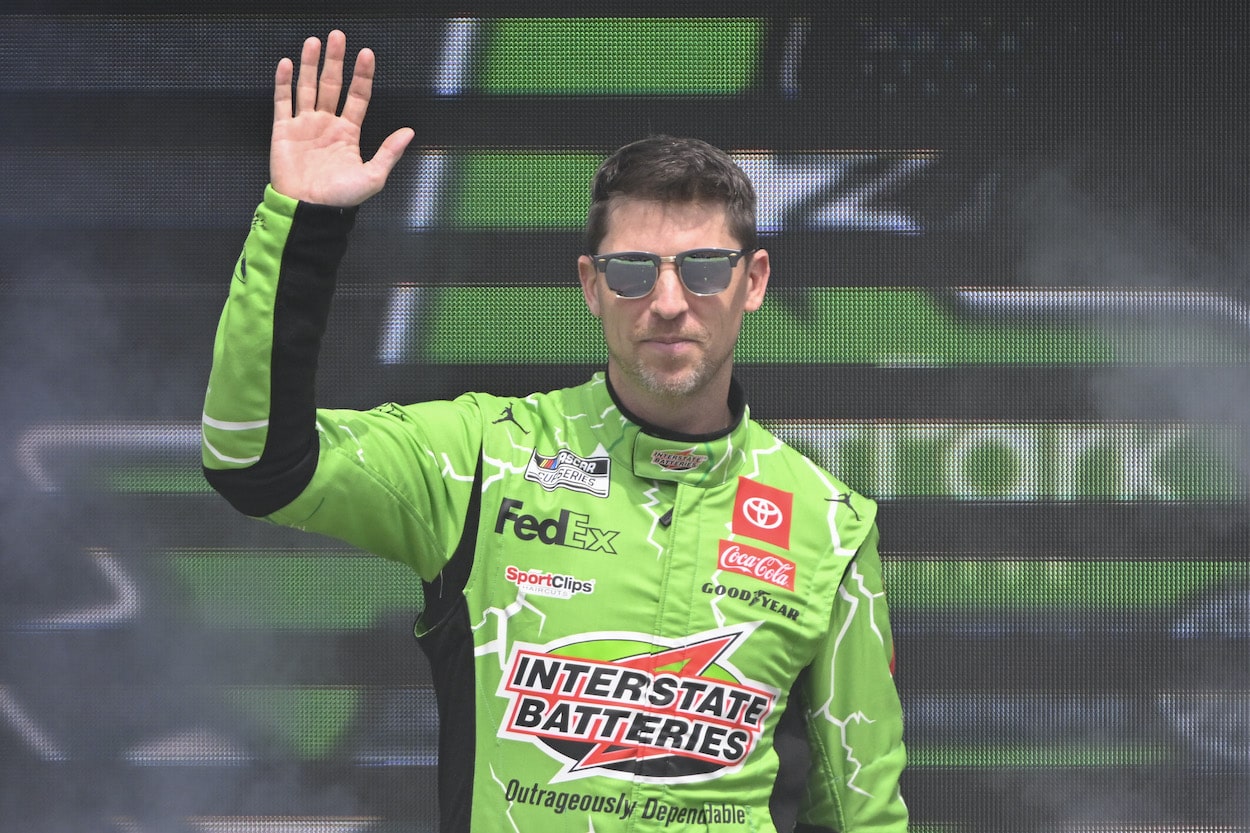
[1009, 301]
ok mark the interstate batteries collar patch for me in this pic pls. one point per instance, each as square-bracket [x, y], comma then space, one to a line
[630, 705]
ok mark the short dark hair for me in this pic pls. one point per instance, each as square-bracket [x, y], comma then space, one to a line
[672, 170]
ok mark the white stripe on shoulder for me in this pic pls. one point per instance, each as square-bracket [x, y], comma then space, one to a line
[223, 458]
[233, 426]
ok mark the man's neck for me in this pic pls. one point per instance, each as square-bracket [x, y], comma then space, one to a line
[705, 413]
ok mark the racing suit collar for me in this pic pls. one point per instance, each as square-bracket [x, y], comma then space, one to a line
[695, 459]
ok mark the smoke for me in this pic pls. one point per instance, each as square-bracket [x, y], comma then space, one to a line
[1148, 244]
[124, 704]
[1161, 233]
[1123, 213]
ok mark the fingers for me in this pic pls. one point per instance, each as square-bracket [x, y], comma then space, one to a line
[282, 90]
[306, 88]
[332, 73]
[314, 92]
[361, 90]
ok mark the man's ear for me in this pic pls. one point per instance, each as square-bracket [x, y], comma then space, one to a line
[757, 280]
[589, 277]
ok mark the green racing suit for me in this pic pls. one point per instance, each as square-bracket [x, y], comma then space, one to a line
[628, 629]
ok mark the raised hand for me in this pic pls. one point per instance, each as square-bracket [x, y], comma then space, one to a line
[314, 154]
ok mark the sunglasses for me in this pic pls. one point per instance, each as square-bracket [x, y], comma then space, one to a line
[702, 271]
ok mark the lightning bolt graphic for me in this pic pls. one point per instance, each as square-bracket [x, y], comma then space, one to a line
[653, 494]
[504, 789]
[503, 467]
[833, 509]
[499, 644]
[715, 603]
[449, 471]
[763, 452]
[825, 711]
[853, 717]
[559, 431]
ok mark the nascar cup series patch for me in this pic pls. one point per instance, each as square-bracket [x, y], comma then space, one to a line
[566, 470]
[631, 705]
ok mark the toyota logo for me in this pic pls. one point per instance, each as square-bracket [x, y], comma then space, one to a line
[762, 512]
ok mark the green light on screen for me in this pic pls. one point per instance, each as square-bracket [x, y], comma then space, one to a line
[1052, 585]
[883, 326]
[523, 190]
[309, 721]
[841, 325]
[620, 56]
[302, 589]
[1034, 756]
[177, 479]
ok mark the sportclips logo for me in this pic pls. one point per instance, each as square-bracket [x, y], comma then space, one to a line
[677, 711]
[548, 584]
[566, 470]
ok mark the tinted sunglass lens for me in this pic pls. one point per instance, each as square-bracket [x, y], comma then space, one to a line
[630, 277]
[706, 274]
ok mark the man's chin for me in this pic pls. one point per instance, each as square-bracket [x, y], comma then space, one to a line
[671, 381]
[674, 384]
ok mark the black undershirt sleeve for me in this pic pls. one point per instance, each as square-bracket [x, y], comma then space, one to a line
[310, 259]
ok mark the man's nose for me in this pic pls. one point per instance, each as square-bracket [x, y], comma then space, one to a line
[668, 299]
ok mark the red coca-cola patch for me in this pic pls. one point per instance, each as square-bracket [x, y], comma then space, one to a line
[763, 513]
[756, 563]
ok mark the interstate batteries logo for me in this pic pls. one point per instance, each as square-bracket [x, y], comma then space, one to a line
[685, 460]
[566, 470]
[632, 706]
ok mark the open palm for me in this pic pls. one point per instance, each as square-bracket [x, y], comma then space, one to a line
[314, 153]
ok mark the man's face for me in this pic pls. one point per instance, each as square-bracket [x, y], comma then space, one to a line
[671, 344]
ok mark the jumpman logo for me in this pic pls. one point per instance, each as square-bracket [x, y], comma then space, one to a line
[507, 416]
[846, 498]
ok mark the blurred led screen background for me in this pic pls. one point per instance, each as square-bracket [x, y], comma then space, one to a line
[1009, 301]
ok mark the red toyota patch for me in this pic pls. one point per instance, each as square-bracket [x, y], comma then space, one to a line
[763, 513]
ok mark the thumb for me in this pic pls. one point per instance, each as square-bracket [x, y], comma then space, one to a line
[384, 161]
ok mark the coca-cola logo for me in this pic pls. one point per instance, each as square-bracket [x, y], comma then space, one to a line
[756, 563]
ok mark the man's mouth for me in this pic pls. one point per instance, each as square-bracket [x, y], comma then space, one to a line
[671, 338]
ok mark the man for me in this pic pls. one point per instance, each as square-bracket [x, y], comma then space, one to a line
[634, 594]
